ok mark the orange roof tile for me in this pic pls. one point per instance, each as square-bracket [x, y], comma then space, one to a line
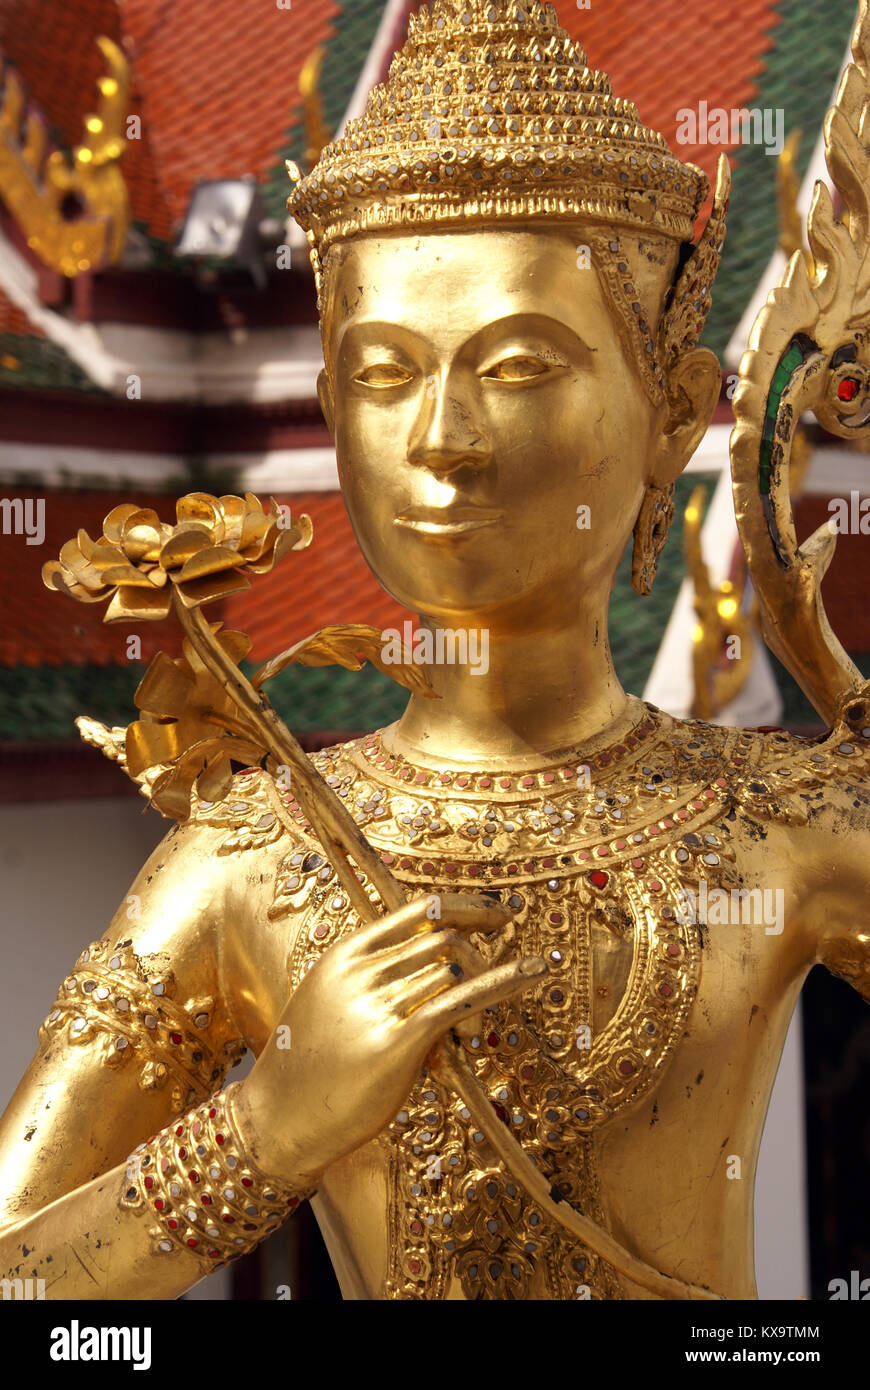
[13, 320]
[673, 55]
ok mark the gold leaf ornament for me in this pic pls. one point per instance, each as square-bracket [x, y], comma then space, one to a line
[191, 727]
[350, 645]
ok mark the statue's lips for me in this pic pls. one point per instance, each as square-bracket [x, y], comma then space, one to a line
[446, 521]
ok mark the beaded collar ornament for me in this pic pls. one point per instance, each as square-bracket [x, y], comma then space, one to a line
[491, 115]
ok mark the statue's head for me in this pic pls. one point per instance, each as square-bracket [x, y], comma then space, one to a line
[510, 306]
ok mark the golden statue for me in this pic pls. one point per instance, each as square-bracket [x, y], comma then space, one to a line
[517, 970]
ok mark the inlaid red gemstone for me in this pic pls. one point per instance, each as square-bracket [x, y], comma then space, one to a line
[493, 1040]
[230, 1220]
[172, 1224]
[180, 1129]
[485, 782]
[598, 878]
[294, 1202]
[666, 991]
[212, 1113]
[214, 1255]
[504, 782]
[474, 870]
[626, 1068]
[528, 1073]
[175, 1038]
[220, 1138]
[847, 389]
[388, 858]
[247, 1182]
[194, 1177]
[500, 1111]
[673, 949]
[414, 1266]
[205, 1199]
[149, 1183]
[557, 918]
[428, 868]
[417, 1228]
[193, 1243]
[182, 1153]
[530, 781]
[159, 1204]
[512, 868]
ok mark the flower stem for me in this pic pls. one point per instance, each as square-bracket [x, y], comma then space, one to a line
[338, 833]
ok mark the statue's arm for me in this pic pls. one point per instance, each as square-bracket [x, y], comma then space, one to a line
[841, 863]
[140, 1032]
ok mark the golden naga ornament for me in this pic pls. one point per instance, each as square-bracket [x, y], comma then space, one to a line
[39, 188]
[517, 970]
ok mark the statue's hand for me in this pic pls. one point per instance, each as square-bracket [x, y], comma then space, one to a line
[354, 1035]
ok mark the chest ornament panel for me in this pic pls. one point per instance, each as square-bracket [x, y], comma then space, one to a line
[595, 860]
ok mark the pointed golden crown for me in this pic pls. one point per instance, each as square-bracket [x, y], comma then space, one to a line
[490, 114]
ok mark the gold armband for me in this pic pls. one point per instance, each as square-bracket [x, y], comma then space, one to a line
[125, 1004]
[201, 1190]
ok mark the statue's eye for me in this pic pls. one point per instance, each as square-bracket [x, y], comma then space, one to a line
[516, 369]
[383, 374]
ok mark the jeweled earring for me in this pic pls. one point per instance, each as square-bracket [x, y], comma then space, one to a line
[650, 533]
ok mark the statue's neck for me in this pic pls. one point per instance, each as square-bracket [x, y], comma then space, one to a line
[521, 695]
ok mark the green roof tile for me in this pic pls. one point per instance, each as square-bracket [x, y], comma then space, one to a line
[26, 360]
[346, 52]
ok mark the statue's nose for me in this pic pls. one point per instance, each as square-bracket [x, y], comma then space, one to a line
[447, 434]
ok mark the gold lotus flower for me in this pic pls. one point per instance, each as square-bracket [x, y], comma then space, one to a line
[141, 561]
[191, 727]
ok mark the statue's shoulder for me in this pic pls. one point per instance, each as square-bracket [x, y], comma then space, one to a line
[777, 774]
[261, 812]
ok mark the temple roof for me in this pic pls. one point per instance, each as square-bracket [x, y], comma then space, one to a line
[221, 98]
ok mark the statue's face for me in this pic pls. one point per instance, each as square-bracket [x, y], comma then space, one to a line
[482, 400]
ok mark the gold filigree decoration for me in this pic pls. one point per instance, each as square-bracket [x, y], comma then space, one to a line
[809, 350]
[75, 217]
[127, 1006]
[201, 1190]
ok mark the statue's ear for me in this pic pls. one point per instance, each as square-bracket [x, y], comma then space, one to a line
[694, 383]
[324, 395]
